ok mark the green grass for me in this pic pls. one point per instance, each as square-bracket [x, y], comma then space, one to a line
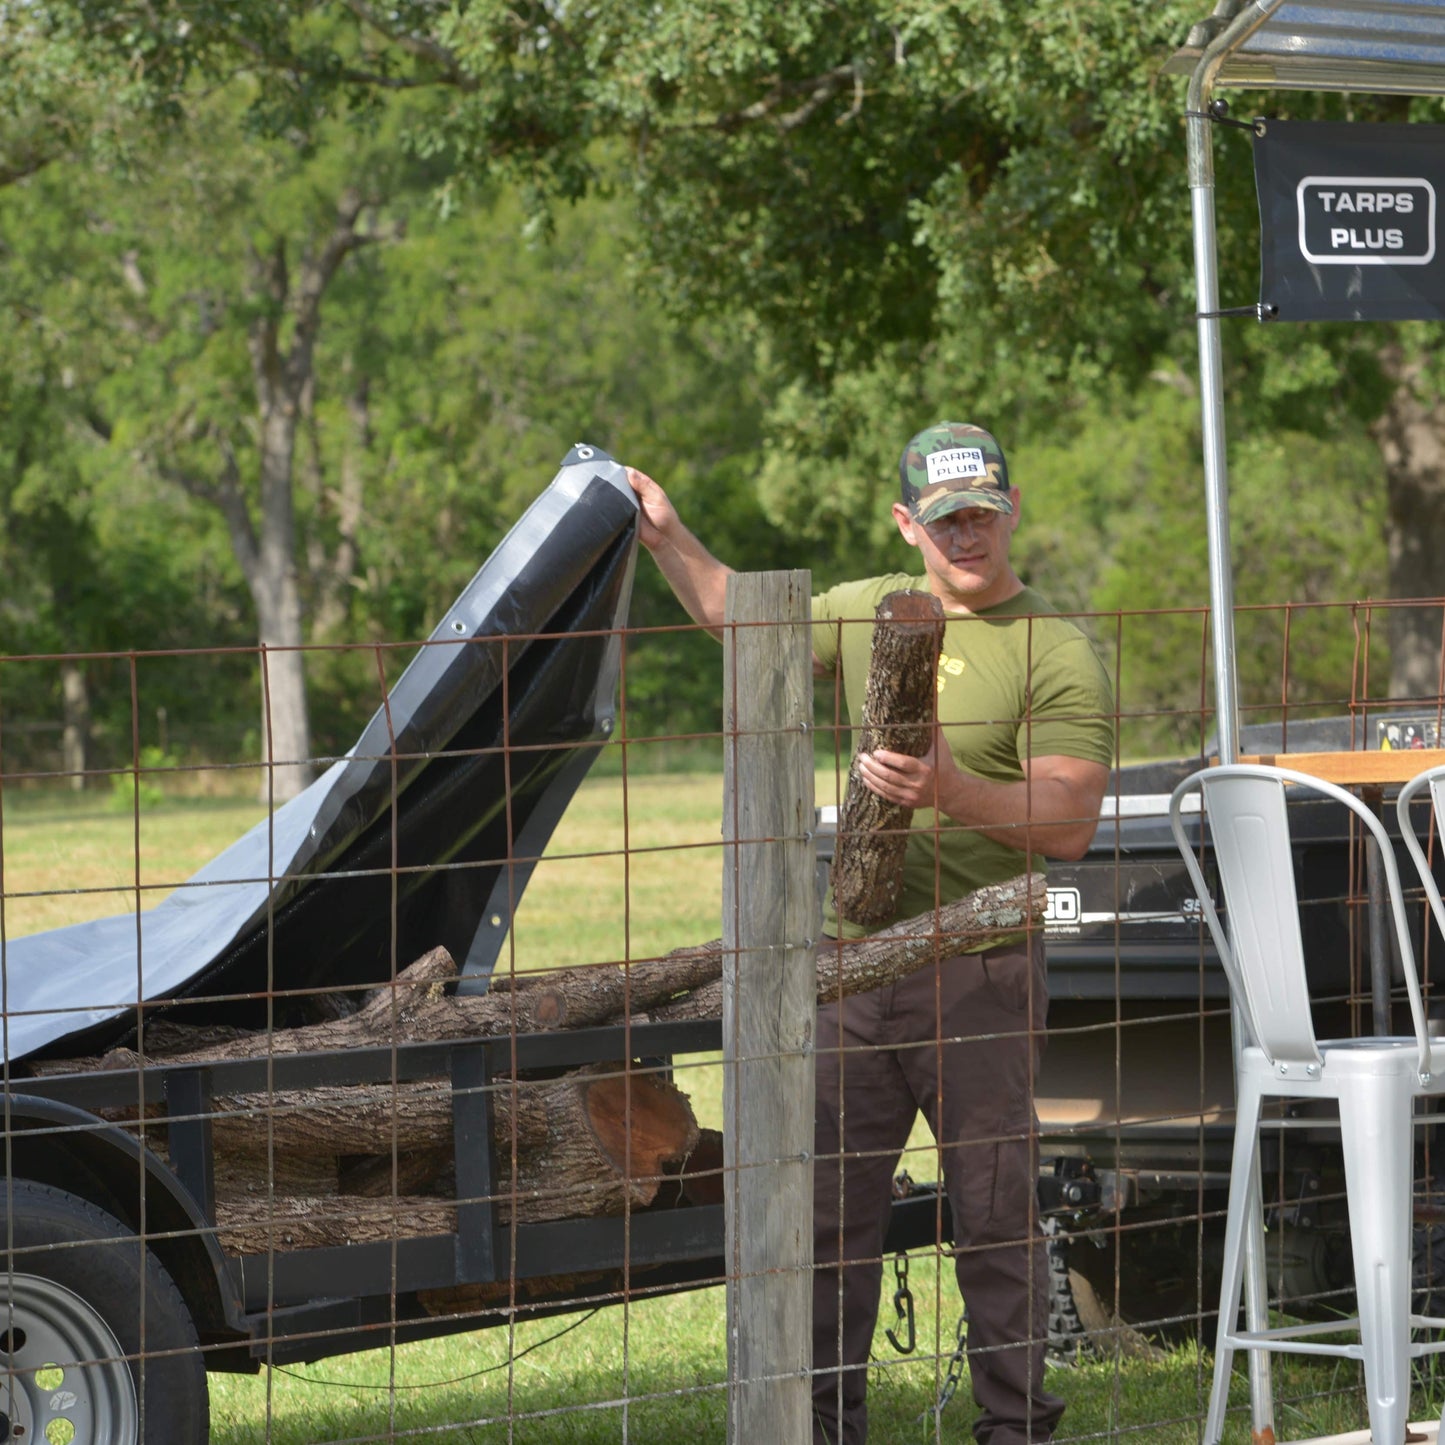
[653, 1372]
[70, 857]
[628, 875]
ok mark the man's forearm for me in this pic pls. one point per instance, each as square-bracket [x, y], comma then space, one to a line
[697, 578]
[1053, 809]
[1038, 815]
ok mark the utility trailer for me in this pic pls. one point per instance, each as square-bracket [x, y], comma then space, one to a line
[121, 1286]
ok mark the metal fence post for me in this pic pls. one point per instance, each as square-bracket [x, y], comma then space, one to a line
[770, 925]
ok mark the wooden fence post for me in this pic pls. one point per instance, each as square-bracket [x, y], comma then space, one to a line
[770, 927]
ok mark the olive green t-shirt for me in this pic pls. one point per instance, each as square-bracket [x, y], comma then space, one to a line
[1016, 681]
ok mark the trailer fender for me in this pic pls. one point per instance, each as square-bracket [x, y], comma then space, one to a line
[74, 1150]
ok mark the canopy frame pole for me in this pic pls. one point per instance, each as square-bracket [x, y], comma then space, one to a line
[1221, 580]
[1211, 371]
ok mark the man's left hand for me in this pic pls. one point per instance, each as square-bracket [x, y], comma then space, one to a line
[905, 780]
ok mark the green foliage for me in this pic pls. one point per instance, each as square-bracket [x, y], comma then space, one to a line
[1113, 523]
[805, 234]
[141, 786]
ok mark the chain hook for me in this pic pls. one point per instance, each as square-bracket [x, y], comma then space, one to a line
[903, 1304]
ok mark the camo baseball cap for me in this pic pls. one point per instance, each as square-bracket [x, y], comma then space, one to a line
[951, 466]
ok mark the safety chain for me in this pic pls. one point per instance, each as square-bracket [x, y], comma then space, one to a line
[954, 1376]
[903, 1304]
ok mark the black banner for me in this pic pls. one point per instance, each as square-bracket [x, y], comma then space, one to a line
[1348, 221]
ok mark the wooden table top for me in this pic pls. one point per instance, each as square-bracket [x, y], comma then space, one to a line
[1354, 769]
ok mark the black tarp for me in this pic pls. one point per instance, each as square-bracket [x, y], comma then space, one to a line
[423, 834]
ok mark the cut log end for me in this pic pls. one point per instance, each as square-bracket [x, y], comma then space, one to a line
[909, 607]
[640, 1123]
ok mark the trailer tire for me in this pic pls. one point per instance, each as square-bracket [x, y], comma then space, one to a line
[74, 1364]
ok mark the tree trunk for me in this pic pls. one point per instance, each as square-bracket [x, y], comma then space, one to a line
[75, 716]
[899, 715]
[282, 374]
[330, 574]
[1411, 435]
[285, 726]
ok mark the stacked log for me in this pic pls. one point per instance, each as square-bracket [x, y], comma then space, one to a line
[355, 1165]
[335, 1165]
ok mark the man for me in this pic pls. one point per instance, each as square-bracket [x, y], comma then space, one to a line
[1018, 767]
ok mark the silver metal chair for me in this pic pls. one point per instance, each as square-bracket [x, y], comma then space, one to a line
[1373, 1081]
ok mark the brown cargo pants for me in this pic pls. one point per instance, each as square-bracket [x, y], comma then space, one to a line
[961, 1040]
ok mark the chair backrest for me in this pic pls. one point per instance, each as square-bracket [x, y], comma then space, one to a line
[1432, 779]
[1263, 951]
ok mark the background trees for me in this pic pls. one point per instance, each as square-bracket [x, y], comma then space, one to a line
[353, 278]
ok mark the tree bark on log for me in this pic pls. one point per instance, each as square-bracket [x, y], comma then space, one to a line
[416, 1008]
[678, 986]
[598, 1141]
[249, 1225]
[849, 966]
[248, 1183]
[899, 714]
[370, 1119]
[299, 1221]
[635, 1119]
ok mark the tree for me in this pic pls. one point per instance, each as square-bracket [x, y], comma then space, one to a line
[455, 368]
[917, 203]
[488, 352]
[229, 247]
[88, 570]
[1042, 268]
[54, 99]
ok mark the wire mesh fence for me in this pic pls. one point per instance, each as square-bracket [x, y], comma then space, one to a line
[398, 1110]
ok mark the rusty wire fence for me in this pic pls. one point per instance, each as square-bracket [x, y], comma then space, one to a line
[398, 1111]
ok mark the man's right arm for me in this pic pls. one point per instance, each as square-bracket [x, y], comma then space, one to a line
[699, 580]
[694, 574]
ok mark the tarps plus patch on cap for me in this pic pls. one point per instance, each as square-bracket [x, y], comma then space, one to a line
[955, 465]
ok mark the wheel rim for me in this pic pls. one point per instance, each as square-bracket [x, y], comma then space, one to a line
[65, 1380]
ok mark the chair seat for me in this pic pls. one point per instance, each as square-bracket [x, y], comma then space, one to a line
[1395, 1056]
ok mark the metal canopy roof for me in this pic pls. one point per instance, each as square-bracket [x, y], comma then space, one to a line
[1386, 47]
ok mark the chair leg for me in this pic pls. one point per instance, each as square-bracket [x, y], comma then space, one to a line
[1375, 1130]
[1256, 1312]
[1242, 1219]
